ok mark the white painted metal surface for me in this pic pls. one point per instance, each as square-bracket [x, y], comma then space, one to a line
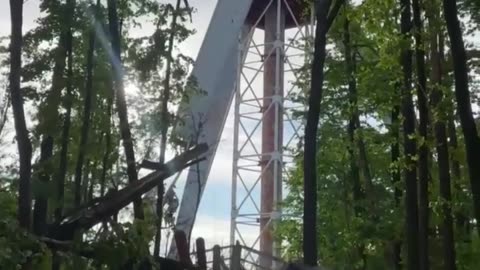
[288, 52]
[215, 71]
[230, 62]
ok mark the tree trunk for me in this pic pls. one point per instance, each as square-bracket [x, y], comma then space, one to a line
[68, 99]
[310, 145]
[353, 127]
[410, 171]
[461, 219]
[107, 136]
[86, 180]
[363, 158]
[23, 140]
[62, 171]
[95, 212]
[108, 145]
[122, 104]
[424, 153]
[464, 107]
[94, 175]
[4, 111]
[87, 109]
[40, 208]
[396, 177]
[65, 50]
[164, 129]
[442, 152]
[48, 125]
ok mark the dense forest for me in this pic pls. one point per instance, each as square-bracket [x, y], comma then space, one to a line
[389, 172]
[387, 175]
[80, 147]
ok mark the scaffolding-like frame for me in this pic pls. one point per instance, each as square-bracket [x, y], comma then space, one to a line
[254, 111]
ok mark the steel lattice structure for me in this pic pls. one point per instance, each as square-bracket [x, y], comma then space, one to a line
[263, 109]
[251, 52]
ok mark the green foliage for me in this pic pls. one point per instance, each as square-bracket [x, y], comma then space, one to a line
[18, 246]
[127, 242]
[44, 82]
[359, 233]
[359, 229]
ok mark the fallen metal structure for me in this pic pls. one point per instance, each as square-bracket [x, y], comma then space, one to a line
[101, 209]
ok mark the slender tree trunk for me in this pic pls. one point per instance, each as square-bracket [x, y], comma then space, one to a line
[358, 193]
[87, 108]
[453, 143]
[396, 178]
[23, 140]
[48, 127]
[353, 127]
[90, 189]
[310, 145]
[424, 153]
[93, 175]
[4, 112]
[461, 219]
[107, 134]
[165, 124]
[464, 107]
[442, 152]
[62, 170]
[63, 166]
[410, 147]
[86, 180]
[121, 103]
[356, 137]
[68, 100]
[106, 155]
[40, 208]
[363, 157]
[354, 169]
[108, 145]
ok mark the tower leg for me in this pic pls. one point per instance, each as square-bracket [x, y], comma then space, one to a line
[243, 43]
[264, 125]
[272, 128]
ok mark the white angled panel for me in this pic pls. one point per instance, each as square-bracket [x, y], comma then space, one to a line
[215, 70]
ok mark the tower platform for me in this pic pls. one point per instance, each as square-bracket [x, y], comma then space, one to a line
[297, 8]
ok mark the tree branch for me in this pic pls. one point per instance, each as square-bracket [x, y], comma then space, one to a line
[86, 217]
[334, 12]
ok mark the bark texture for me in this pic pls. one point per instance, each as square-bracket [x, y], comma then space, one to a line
[410, 146]
[423, 151]
[310, 144]
[68, 99]
[23, 141]
[441, 143]
[87, 109]
[357, 162]
[462, 95]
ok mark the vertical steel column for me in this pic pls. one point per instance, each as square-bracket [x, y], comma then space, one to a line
[272, 126]
[243, 43]
[264, 125]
